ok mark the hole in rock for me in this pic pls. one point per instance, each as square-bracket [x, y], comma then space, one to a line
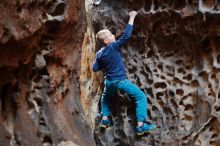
[169, 54]
[170, 74]
[47, 139]
[75, 113]
[179, 4]
[188, 67]
[53, 27]
[194, 83]
[214, 143]
[181, 103]
[42, 121]
[39, 101]
[19, 8]
[59, 10]
[147, 5]
[190, 2]
[181, 70]
[188, 107]
[161, 103]
[154, 108]
[188, 77]
[179, 62]
[132, 70]
[215, 135]
[187, 117]
[204, 75]
[213, 76]
[218, 58]
[150, 82]
[3, 95]
[171, 93]
[205, 44]
[150, 54]
[177, 81]
[174, 103]
[160, 67]
[156, 4]
[167, 110]
[162, 77]
[160, 85]
[158, 95]
[165, 2]
[217, 109]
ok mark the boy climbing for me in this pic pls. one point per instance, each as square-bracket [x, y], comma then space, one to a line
[109, 60]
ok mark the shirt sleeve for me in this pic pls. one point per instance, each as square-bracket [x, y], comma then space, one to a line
[96, 65]
[125, 36]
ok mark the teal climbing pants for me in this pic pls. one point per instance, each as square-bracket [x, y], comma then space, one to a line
[131, 90]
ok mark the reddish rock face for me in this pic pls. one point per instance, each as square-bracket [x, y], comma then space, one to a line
[173, 56]
[40, 45]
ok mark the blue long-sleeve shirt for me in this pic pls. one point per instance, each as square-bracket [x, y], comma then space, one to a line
[109, 58]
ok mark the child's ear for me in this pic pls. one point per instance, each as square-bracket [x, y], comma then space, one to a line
[105, 41]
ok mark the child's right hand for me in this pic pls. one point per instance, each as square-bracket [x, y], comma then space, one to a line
[133, 13]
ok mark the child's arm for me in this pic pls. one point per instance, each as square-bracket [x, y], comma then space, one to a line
[128, 30]
[132, 15]
[96, 65]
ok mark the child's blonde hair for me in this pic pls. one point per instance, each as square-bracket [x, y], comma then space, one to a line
[100, 36]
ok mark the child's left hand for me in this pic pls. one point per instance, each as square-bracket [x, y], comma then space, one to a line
[133, 13]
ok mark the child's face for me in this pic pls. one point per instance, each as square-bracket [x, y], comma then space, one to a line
[109, 37]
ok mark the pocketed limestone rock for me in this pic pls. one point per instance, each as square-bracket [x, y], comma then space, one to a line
[173, 57]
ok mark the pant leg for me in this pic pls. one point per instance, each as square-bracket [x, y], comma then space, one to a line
[138, 96]
[107, 94]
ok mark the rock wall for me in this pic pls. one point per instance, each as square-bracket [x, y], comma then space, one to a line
[173, 56]
[40, 44]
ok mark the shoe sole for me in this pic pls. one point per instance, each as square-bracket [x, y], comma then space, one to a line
[104, 126]
[139, 134]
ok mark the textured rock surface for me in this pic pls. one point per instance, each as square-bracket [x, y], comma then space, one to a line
[173, 56]
[40, 44]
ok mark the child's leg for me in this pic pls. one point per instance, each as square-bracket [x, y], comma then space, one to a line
[107, 94]
[138, 96]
